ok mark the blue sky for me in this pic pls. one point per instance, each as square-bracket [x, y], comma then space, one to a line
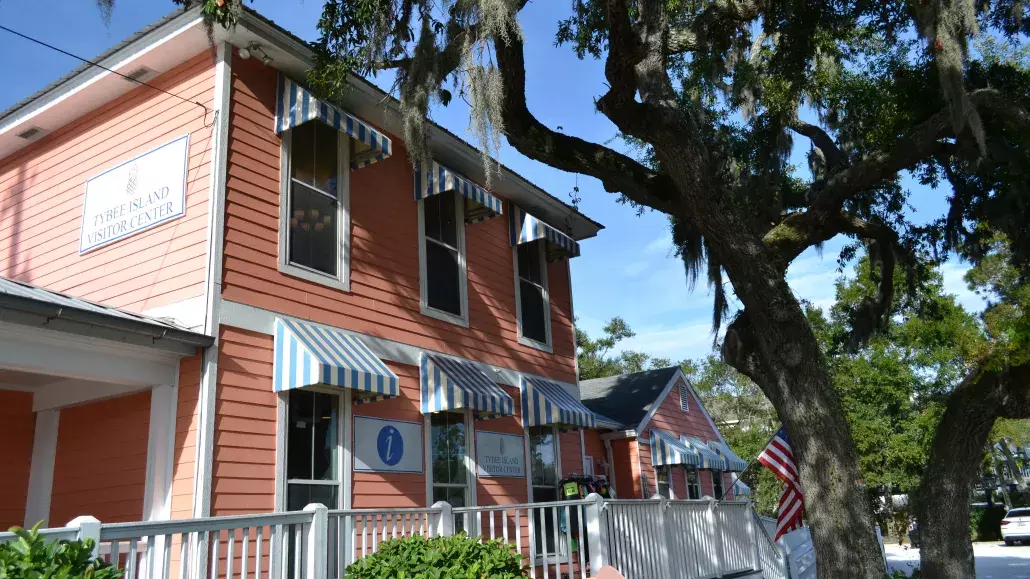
[628, 270]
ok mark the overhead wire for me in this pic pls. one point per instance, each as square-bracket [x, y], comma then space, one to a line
[100, 66]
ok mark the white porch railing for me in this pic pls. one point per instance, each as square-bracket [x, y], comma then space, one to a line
[653, 539]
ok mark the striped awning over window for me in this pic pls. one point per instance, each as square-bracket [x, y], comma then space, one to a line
[525, 228]
[733, 462]
[450, 384]
[296, 106]
[439, 179]
[603, 422]
[309, 355]
[545, 402]
[708, 457]
[666, 449]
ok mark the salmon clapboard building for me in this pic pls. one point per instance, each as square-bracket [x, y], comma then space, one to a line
[670, 445]
[221, 295]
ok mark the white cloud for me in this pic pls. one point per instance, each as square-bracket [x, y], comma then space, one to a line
[814, 278]
[635, 268]
[661, 244]
[690, 340]
[954, 284]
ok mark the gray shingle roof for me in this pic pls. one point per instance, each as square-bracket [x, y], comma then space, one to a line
[627, 398]
[18, 295]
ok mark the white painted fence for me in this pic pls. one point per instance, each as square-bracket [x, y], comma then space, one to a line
[656, 539]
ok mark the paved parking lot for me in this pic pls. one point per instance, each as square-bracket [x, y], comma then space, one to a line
[993, 560]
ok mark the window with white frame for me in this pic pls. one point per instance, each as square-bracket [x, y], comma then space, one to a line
[450, 477]
[663, 481]
[684, 397]
[693, 483]
[312, 450]
[442, 257]
[314, 216]
[717, 487]
[543, 455]
[531, 297]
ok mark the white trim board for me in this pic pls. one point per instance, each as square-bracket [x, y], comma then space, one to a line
[260, 320]
[41, 471]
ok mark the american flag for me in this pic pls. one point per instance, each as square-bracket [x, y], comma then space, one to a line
[778, 457]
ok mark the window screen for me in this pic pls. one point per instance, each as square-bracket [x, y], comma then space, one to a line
[314, 210]
[443, 255]
[532, 291]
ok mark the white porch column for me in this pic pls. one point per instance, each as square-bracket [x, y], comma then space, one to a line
[41, 473]
[157, 497]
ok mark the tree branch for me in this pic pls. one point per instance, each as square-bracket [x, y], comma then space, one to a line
[617, 172]
[835, 158]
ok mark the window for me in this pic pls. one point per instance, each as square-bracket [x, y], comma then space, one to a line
[312, 450]
[442, 256]
[449, 444]
[717, 484]
[684, 397]
[662, 477]
[693, 483]
[314, 223]
[543, 445]
[531, 299]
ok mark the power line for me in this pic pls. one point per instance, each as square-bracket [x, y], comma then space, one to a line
[91, 63]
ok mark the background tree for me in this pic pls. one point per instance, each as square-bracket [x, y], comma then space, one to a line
[714, 92]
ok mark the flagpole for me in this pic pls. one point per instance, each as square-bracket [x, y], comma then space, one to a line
[751, 462]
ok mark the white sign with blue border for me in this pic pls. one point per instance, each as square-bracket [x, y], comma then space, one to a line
[387, 445]
[138, 194]
[500, 455]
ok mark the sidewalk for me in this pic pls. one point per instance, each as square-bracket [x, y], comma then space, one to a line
[993, 560]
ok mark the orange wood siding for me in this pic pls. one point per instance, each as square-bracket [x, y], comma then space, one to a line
[243, 471]
[503, 490]
[100, 468]
[571, 453]
[187, 416]
[376, 490]
[384, 296]
[595, 450]
[671, 418]
[15, 455]
[627, 469]
[42, 189]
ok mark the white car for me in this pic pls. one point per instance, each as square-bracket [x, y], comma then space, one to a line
[1016, 526]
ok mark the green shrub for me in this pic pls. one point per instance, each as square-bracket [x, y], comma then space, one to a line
[455, 557]
[33, 557]
[985, 523]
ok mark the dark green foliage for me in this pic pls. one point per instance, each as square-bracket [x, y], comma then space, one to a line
[454, 557]
[33, 557]
[985, 523]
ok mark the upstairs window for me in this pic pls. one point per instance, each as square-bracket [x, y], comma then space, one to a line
[314, 209]
[532, 302]
[442, 252]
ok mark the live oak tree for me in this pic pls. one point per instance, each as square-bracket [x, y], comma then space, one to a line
[714, 92]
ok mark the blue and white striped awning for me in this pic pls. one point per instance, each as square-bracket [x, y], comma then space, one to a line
[525, 228]
[545, 402]
[310, 355]
[439, 179]
[733, 462]
[451, 384]
[666, 449]
[740, 489]
[603, 423]
[708, 457]
[296, 106]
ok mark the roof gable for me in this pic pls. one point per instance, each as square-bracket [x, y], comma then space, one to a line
[627, 398]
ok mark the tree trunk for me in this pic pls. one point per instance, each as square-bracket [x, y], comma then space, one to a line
[788, 364]
[942, 503]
